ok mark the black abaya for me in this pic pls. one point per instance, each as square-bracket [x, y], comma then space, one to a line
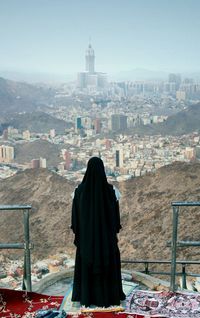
[95, 223]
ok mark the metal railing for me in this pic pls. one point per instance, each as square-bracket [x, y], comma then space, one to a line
[175, 243]
[26, 245]
[146, 269]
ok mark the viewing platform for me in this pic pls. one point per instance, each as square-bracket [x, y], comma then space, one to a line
[144, 292]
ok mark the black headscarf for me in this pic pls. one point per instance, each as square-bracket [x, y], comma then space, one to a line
[95, 219]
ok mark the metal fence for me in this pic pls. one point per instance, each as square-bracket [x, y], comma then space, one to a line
[26, 245]
[173, 244]
[146, 268]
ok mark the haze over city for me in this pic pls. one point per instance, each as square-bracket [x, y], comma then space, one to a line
[115, 79]
[50, 37]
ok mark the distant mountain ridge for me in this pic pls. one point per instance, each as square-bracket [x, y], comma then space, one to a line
[19, 96]
[37, 77]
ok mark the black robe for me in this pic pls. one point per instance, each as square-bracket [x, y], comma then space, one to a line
[95, 223]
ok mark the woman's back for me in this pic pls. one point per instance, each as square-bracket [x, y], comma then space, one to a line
[95, 222]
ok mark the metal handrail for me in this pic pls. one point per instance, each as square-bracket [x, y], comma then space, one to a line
[175, 243]
[182, 273]
[26, 246]
[158, 262]
[185, 203]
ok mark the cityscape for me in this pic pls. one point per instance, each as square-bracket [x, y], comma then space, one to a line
[101, 118]
[120, 81]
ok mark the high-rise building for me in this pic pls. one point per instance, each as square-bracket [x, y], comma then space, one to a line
[12, 131]
[6, 153]
[78, 123]
[89, 59]
[35, 163]
[189, 153]
[197, 150]
[43, 162]
[119, 158]
[39, 163]
[97, 126]
[5, 134]
[176, 79]
[26, 135]
[82, 80]
[102, 80]
[67, 158]
[52, 133]
[108, 144]
[118, 122]
[90, 79]
[86, 122]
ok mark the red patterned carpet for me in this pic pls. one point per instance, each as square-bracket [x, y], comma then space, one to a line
[140, 304]
[17, 303]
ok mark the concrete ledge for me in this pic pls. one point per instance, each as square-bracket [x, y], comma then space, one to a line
[52, 279]
[152, 283]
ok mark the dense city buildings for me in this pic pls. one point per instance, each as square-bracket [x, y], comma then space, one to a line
[38, 163]
[118, 122]
[110, 120]
[6, 153]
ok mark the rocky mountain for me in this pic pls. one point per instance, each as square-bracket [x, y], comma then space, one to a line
[40, 148]
[37, 121]
[50, 197]
[183, 122]
[21, 96]
[146, 213]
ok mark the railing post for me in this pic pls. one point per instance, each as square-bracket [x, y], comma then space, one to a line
[27, 255]
[146, 268]
[26, 245]
[184, 284]
[174, 241]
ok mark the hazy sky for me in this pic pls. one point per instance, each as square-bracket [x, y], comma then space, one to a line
[52, 35]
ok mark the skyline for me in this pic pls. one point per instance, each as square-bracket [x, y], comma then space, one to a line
[52, 36]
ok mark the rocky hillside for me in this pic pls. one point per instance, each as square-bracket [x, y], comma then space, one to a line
[183, 122]
[20, 96]
[40, 148]
[50, 197]
[146, 212]
[37, 122]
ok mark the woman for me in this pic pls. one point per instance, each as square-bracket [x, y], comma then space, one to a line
[95, 223]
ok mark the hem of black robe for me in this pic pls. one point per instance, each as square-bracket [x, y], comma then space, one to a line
[98, 304]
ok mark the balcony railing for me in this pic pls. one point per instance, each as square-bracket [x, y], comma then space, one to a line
[146, 268]
[173, 244]
[26, 245]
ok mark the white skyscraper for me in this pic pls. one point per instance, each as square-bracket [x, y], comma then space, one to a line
[89, 59]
